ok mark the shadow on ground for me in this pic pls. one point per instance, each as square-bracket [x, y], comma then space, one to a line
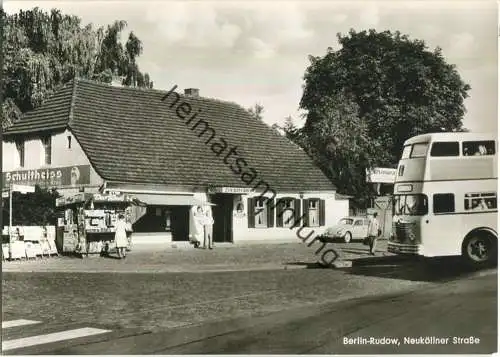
[308, 265]
[403, 268]
[412, 268]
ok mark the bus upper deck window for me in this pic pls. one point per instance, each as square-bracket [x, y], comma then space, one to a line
[478, 148]
[440, 149]
[419, 150]
[406, 152]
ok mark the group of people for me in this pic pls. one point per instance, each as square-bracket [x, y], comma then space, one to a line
[200, 230]
[200, 227]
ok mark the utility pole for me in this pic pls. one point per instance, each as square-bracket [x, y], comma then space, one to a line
[10, 222]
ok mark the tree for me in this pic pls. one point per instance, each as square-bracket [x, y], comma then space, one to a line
[364, 100]
[44, 50]
[32, 209]
[340, 144]
[400, 87]
[256, 111]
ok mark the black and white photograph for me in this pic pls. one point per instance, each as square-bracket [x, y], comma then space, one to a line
[249, 177]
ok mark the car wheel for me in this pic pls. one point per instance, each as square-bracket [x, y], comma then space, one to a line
[480, 249]
[347, 237]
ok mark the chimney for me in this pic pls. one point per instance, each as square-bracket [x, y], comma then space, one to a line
[116, 80]
[192, 92]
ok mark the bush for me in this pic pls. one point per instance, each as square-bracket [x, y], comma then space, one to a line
[32, 209]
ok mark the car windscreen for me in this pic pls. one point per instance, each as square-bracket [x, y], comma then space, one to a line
[345, 221]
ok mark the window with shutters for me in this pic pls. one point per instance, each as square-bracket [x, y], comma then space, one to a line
[286, 212]
[313, 216]
[260, 212]
[261, 208]
[314, 212]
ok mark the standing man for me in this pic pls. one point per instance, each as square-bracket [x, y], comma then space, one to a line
[373, 233]
[207, 226]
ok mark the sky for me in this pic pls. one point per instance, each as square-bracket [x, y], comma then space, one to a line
[257, 52]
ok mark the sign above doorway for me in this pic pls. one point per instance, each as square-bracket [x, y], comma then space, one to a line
[231, 190]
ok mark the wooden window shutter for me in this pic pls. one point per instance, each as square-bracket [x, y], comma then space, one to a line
[279, 212]
[296, 212]
[305, 204]
[251, 212]
[270, 212]
[321, 212]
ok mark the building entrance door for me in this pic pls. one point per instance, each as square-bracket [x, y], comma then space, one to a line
[223, 218]
[180, 223]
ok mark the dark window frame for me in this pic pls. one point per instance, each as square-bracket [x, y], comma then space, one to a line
[488, 197]
[445, 153]
[412, 156]
[469, 146]
[443, 195]
[47, 147]
[21, 151]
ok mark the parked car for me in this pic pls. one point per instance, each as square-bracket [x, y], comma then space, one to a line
[347, 229]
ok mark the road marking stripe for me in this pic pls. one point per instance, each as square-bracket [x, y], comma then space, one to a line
[51, 337]
[15, 323]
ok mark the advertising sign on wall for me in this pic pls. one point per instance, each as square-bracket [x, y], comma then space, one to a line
[71, 176]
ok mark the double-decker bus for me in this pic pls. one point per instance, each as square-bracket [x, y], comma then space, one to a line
[445, 197]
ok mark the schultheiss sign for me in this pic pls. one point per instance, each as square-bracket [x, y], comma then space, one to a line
[49, 177]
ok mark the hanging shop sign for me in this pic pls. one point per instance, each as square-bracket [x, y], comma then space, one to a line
[71, 176]
[112, 196]
[77, 198]
[233, 190]
[381, 175]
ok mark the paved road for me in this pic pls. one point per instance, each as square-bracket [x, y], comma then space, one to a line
[307, 311]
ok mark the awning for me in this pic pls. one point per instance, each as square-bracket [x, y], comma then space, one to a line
[166, 199]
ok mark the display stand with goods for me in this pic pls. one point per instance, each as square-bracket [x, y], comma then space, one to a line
[86, 223]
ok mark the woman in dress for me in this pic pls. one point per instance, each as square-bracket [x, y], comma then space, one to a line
[121, 236]
[196, 226]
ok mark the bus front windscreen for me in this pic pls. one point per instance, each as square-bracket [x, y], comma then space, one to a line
[411, 205]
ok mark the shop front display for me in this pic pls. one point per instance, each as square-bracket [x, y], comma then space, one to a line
[87, 221]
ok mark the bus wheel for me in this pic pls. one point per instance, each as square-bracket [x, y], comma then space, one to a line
[480, 249]
[347, 237]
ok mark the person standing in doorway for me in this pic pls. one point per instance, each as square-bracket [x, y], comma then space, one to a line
[207, 228]
[373, 233]
[121, 236]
